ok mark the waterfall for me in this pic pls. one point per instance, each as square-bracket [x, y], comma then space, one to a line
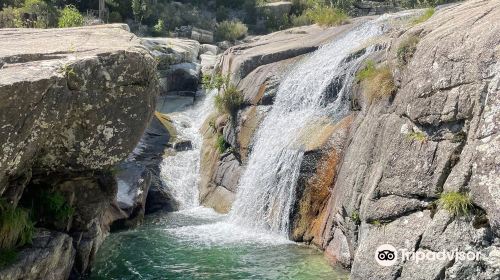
[180, 171]
[317, 88]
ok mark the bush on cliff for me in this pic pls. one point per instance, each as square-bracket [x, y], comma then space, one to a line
[406, 49]
[230, 31]
[70, 17]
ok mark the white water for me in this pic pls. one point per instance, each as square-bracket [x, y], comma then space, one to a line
[267, 188]
[180, 171]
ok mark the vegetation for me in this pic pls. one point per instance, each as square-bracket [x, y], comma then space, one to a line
[417, 136]
[16, 227]
[229, 101]
[53, 207]
[326, 16]
[159, 28]
[377, 82]
[406, 49]
[456, 203]
[220, 144]
[216, 81]
[425, 16]
[355, 217]
[230, 31]
[70, 17]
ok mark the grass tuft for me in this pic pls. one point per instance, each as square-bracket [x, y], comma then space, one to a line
[424, 17]
[417, 136]
[230, 31]
[377, 82]
[54, 206]
[406, 49]
[326, 16]
[229, 101]
[220, 144]
[355, 217]
[16, 227]
[456, 203]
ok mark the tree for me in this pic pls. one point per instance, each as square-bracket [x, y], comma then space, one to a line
[140, 9]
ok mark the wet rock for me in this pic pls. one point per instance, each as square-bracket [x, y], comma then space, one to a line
[183, 145]
[228, 172]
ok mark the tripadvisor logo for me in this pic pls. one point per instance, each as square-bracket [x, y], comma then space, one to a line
[387, 255]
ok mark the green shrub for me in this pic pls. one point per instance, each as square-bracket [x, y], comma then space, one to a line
[16, 227]
[10, 18]
[377, 82]
[425, 16]
[46, 15]
[406, 49]
[159, 28]
[70, 17]
[326, 16]
[115, 17]
[55, 208]
[456, 203]
[230, 30]
[216, 81]
[301, 20]
[220, 144]
[229, 101]
[7, 256]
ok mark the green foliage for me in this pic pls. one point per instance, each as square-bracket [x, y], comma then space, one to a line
[10, 18]
[16, 227]
[406, 49]
[230, 30]
[456, 203]
[159, 28]
[301, 20]
[7, 256]
[326, 16]
[140, 9]
[367, 72]
[376, 223]
[70, 17]
[54, 207]
[115, 17]
[417, 136]
[355, 217]
[425, 16]
[220, 144]
[216, 81]
[229, 101]
[377, 82]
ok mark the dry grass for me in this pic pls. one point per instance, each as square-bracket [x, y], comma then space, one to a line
[456, 203]
[424, 17]
[229, 101]
[16, 227]
[377, 82]
[406, 49]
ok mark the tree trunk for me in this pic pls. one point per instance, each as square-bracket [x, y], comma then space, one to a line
[102, 10]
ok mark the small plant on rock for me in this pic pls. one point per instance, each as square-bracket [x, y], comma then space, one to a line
[326, 16]
[377, 82]
[229, 101]
[355, 217]
[221, 144]
[417, 136]
[456, 203]
[406, 49]
[55, 207]
[230, 31]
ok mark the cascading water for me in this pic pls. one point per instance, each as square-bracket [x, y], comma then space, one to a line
[316, 89]
[181, 170]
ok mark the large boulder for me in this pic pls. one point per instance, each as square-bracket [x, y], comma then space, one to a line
[75, 103]
[73, 99]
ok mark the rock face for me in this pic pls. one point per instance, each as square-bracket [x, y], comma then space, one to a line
[75, 103]
[372, 182]
[51, 257]
[389, 182]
